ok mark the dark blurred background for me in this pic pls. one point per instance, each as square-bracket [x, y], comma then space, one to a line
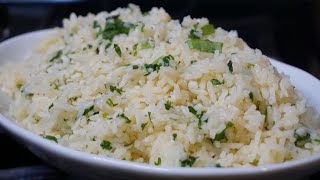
[287, 30]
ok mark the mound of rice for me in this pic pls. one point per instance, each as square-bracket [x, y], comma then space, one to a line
[143, 87]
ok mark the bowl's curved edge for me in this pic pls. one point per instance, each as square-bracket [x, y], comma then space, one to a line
[104, 162]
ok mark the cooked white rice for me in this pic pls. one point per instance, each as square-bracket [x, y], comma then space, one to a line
[246, 115]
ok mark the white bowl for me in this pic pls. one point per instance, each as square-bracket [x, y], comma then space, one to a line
[93, 166]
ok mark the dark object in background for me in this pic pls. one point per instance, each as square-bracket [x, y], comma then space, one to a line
[288, 30]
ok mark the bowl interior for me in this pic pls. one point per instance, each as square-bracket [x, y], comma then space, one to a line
[18, 48]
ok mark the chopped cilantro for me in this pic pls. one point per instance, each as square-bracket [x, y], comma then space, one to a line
[189, 161]
[174, 135]
[146, 13]
[104, 115]
[218, 165]
[142, 27]
[89, 46]
[167, 105]
[195, 26]
[108, 45]
[204, 45]
[114, 26]
[149, 116]
[251, 96]
[221, 136]
[51, 138]
[96, 24]
[135, 51]
[192, 34]
[216, 82]
[51, 105]
[56, 55]
[192, 110]
[106, 145]
[301, 140]
[193, 61]
[19, 86]
[230, 66]
[255, 162]
[87, 110]
[118, 90]
[317, 140]
[157, 163]
[148, 44]
[198, 116]
[135, 67]
[29, 94]
[143, 125]
[117, 49]
[95, 113]
[161, 61]
[124, 117]
[207, 29]
[249, 65]
[110, 103]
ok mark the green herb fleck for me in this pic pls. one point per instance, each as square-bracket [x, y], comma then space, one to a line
[95, 113]
[221, 136]
[106, 145]
[216, 82]
[118, 90]
[96, 24]
[218, 165]
[161, 61]
[110, 103]
[157, 163]
[143, 125]
[204, 45]
[89, 46]
[301, 140]
[251, 96]
[124, 117]
[19, 86]
[104, 115]
[192, 34]
[189, 161]
[198, 116]
[174, 135]
[51, 138]
[135, 51]
[114, 26]
[147, 45]
[108, 45]
[230, 66]
[195, 26]
[142, 27]
[56, 55]
[135, 67]
[255, 162]
[249, 65]
[87, 110]
[117, 49]
[51, 105]
[167, 105]
[207, 29]
[146, 13]
[193, 61]
[149, 115]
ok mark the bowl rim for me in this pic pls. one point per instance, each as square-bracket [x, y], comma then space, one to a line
[106, 162]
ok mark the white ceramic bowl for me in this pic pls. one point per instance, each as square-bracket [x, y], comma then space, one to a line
[93, 166]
